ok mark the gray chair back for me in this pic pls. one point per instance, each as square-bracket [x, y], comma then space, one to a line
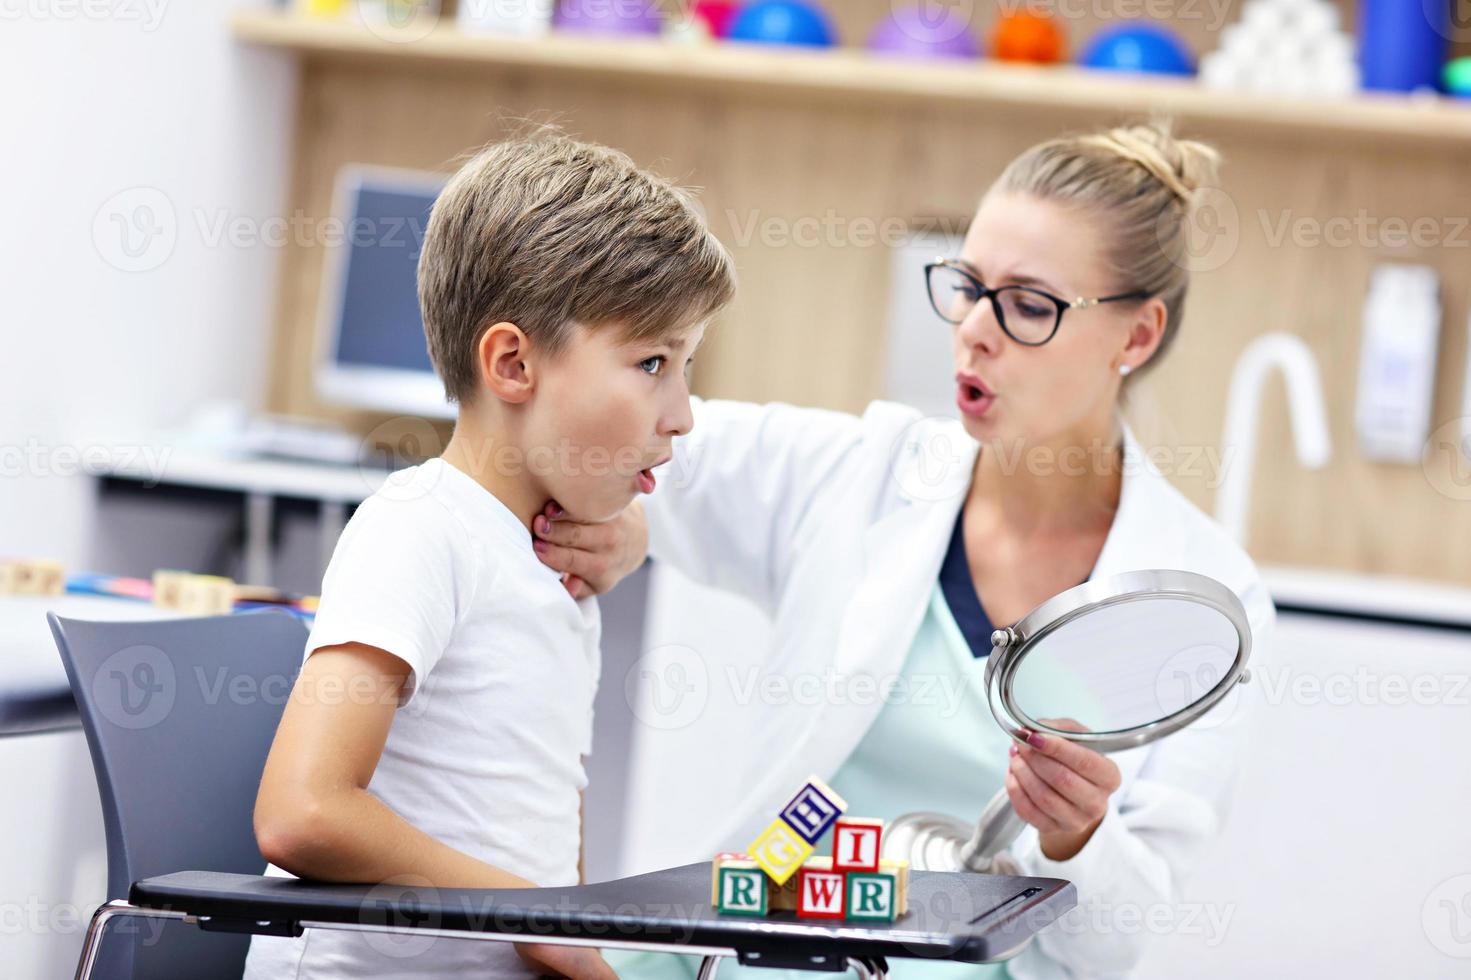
[179, 715]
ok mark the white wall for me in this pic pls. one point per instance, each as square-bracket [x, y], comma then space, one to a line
[109, 105]
[154, 106]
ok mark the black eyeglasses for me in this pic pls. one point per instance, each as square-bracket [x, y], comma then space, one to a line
[1028, 316]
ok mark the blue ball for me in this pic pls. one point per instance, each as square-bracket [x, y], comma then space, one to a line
[1139, 46]
[782, 22]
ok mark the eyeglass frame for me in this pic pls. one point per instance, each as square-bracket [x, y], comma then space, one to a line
[987, 292]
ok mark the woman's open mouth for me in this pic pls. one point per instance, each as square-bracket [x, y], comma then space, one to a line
[972, 397]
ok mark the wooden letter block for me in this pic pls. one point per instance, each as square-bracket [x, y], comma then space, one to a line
[779, 851]
[900, 871]
[725, 857]
[820, 891]
[196, 595]
[31, 577]
[742, 890]
[812, 811]
[856, 843]
[873, 895]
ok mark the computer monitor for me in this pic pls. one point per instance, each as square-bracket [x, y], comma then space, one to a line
[371, 351]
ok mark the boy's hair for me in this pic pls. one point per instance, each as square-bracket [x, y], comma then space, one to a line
[546, 231]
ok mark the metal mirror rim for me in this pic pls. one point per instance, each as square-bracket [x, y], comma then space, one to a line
[1010, 646]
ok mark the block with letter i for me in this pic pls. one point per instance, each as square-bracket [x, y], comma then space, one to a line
[742, 888]
[856, 844]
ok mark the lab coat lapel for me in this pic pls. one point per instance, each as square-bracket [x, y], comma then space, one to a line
[902, 554]
[1147, 530]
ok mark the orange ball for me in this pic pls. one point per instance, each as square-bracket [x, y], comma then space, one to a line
[1027, 37]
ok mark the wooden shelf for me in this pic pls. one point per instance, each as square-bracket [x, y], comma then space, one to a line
[854, 74]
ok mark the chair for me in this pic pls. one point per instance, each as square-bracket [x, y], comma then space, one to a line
[179, 715]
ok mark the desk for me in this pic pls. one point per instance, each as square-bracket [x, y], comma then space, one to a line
[34, 693]
[961, 917]
[261, 481]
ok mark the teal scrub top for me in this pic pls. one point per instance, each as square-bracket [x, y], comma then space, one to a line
[933, 746]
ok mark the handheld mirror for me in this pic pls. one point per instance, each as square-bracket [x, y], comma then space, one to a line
[1127, 660]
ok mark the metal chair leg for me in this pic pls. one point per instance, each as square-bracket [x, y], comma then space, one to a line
[875, 969]
[708, 966]
[117, 908]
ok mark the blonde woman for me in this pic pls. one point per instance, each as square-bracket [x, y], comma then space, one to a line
[888, 544]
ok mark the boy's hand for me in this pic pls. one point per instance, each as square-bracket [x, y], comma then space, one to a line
[591, 557]
[574, 962]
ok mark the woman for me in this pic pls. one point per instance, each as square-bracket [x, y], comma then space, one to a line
[889, 544]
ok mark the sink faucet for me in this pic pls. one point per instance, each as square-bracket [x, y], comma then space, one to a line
[1243, 413]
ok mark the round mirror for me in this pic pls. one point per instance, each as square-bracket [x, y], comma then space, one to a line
[1112, 665]
[1125, 660]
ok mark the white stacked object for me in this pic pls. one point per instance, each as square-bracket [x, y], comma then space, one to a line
[1284, 47]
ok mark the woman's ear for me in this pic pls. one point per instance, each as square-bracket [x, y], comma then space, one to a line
[1146, 331]
[502, 363]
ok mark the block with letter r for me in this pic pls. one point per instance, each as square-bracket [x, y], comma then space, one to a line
[873, 895]
[742, 890]
[813, 810]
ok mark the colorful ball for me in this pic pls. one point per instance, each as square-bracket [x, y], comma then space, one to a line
[1141, 47]
[782, 22]
[1456, 77]
[1027, 37]
[913, 31]
[607, 17]
[718, 15]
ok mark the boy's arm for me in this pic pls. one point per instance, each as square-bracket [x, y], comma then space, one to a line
[314, 816]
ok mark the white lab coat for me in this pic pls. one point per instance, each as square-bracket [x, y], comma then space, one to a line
[836, 526]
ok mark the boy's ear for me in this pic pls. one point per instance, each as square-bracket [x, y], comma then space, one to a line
[502, 362]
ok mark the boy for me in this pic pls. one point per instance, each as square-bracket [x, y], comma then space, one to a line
[435, 736]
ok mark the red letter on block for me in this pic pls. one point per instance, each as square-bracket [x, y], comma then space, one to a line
[856, 844]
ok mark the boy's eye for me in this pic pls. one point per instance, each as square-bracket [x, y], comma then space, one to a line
[652, 365]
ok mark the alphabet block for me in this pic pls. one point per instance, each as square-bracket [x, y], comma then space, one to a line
[742, 889]
[812, 811]
[900, 871]
[872, 896]
[31, 577]
[197, 595]
[820, 890]
[780, 851]
[856, 843]
[722, 858]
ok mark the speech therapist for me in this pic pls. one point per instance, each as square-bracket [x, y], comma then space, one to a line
[887, 546]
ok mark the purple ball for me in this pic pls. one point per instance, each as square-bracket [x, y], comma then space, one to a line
[914, 32]
[608, 17]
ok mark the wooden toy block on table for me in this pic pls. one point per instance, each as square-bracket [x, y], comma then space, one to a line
[23, 576]
[854, 882]
[856, 843]
[742, 889]
[197, 595]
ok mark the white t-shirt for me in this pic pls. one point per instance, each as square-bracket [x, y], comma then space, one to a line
[486, 750]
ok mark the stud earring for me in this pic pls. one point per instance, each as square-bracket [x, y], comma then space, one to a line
[1124, 370]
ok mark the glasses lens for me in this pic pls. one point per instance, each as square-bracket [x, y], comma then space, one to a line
[1030, 316]
[952, 293]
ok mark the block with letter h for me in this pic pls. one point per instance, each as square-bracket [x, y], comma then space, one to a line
[854, 882]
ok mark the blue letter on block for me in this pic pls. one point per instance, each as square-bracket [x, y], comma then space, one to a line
[813, 810]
